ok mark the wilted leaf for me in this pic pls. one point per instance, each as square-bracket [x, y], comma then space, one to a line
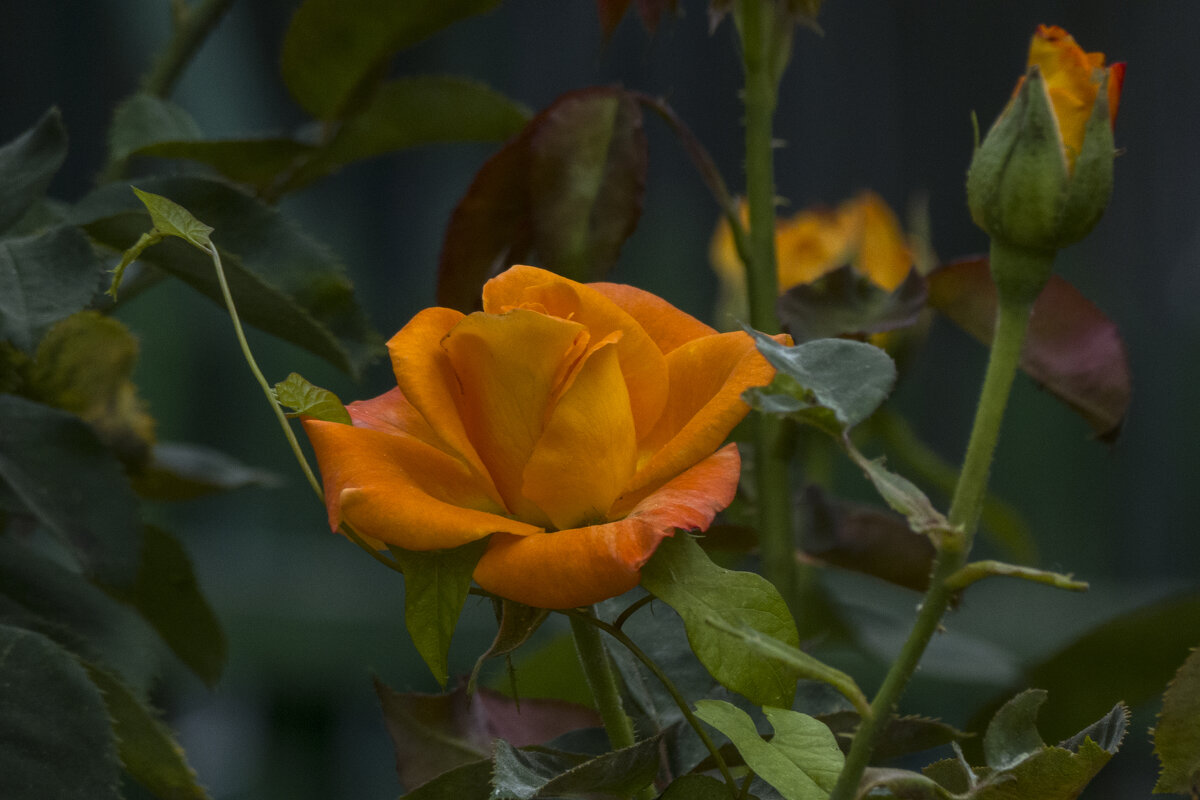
[167, 596]
[334, 49]
[832, 383]
[186, 471]
[435, 588]
[526, 775]
[85, 365]
[44, 278]
[305, 399]
[846, 303]
[567, 191]
[1071, 348]
[146, 747]
[44, 693]
[866, 540]
[517, 622]
[74, 486]
[282, 280]
[27, 165]
[434, 733]
[683, 577]
[1177, 733]
[802, 760]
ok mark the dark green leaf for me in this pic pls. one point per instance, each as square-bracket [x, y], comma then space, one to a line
[846, 303]
[1130, 657]
[865, 540]
[27, 164]
[900, 783]
[144, 119]
[167, 595]
[85, 365]
[44, 694]
[683, 577]
[74, 486]
[587, 175]
[260, 163]
[147, 749]
[1177, 733]
[433, 734]
[44, 278]
[837, 378]
[186, 471]
[1012, 735]
[697, 787]
[471, 781]
[304, 398]
[902, 736]
[282, 281]
[335, 48]
[1072, 348]
[435, 588]
[802, 760]
[525, 775]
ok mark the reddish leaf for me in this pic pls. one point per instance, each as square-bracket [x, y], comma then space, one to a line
[651, 12]
[566, 192]
[434, 733]
[611, 13]
[1072, 348]
[866, 540]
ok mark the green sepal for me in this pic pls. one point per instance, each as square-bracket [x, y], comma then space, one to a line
[1092, 177]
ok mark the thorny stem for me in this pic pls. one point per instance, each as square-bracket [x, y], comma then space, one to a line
[1011, 323]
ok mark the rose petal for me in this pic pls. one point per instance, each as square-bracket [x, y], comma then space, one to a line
[642, 360]
[588, 451]
[667, 325]
[391, 412]
[426, 379]
[400, 490]
[708, 377]
[581, 566]
[511, 367]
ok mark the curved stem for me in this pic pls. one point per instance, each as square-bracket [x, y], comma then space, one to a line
[1011, 323]
[672, 690]
[192, 27]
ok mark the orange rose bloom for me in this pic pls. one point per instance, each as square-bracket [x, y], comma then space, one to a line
[1073, 80]
[577, 425]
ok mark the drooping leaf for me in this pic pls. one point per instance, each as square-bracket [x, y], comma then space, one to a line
[435, 589]
[433, 734]
[168, 597]
[802, 760]
[84, 365]
[565, 194]
[530, 774]
[683, 577]
[27, 165]
[517, 622]
[178, 471]
[900, 493]
[1177, 732]
[74, 486]
[44, 278]
[1071, 348]
[334, 49]
[832, 383]
[1130, 657]
[304, 398]
[846, 303]
[865, 540]
[143, 119]
[146, 747]
[44, 693]
[587, 175]
[282, 280]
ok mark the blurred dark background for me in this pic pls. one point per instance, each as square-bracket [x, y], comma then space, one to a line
[882, 100]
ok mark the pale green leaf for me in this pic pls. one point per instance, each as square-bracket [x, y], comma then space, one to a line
[683, 577]
[802, 760]
[1012, 735]
[304, 398]
[1177, 733]
[172, 219]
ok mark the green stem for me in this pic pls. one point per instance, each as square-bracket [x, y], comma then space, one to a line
[762, 285]
[602, 680]
[192, 27]
[1011, 323]
[680, 701]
